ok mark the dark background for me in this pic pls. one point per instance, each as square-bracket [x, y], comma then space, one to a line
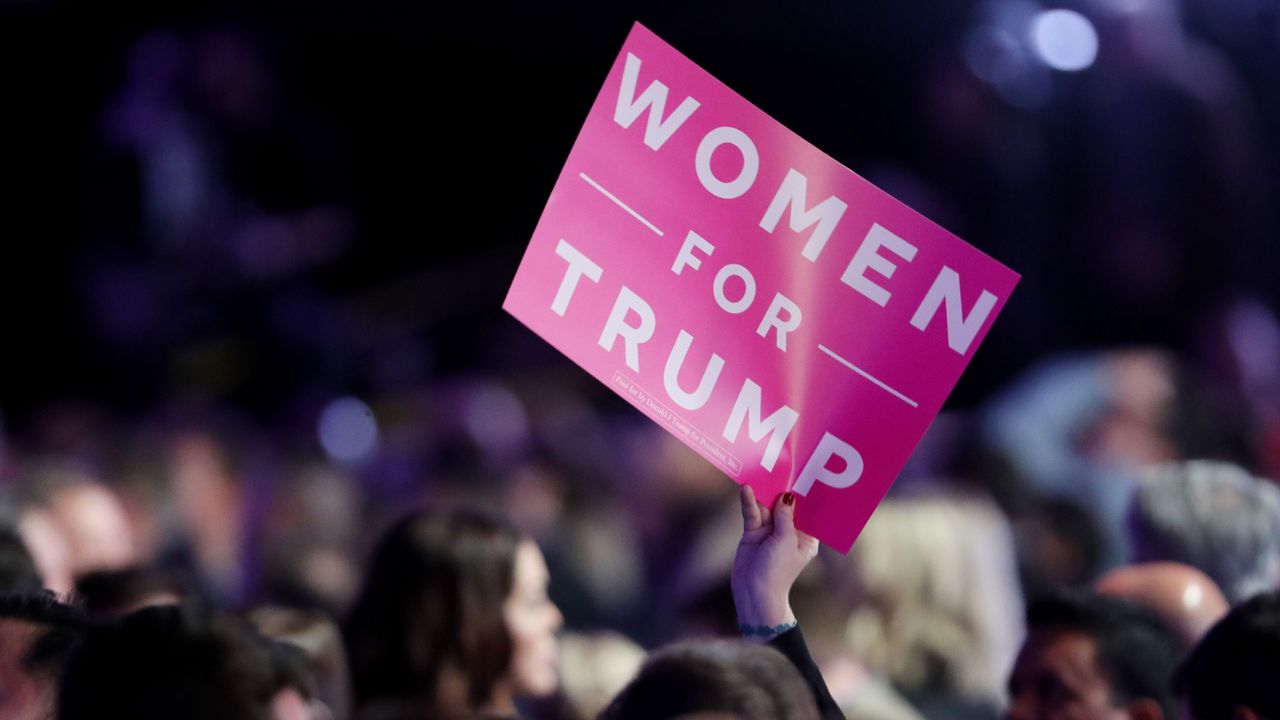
[1135, 202]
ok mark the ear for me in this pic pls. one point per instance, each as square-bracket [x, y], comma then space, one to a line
[1144, 709]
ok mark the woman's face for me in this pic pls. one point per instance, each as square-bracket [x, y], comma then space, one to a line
[533, 621]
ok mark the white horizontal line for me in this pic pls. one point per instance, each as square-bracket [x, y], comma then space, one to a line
[884, 386]
[621, 204]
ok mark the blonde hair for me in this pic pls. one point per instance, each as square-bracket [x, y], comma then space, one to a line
[937, 607]
[594, 667]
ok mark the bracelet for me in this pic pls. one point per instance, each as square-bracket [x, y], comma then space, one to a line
[765, 630]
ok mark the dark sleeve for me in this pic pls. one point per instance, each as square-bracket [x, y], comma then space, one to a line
[791, 644]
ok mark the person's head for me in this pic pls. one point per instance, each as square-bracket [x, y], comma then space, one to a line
[96, 526]
[37, 633]
[1060, 543]
[91, 523]
[454, 614]
[1088, 657]
[1232, 673]
[715, 679]
[1184, 598]
[90, 515]
[174, 661]
[934, 595]
[115, 593]
[1213, 516]
[319, 642]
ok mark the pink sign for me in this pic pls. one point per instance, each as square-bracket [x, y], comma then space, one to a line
[785, 318]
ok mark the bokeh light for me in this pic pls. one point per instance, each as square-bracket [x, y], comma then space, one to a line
[348, 430]
[1064, 39]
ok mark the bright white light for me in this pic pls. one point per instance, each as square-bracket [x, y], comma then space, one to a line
[347, 429]
[1064, 39]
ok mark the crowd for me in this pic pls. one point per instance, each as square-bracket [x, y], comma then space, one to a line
[1061, 551]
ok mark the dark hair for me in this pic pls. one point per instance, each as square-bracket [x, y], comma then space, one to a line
[167, 662]
[1236, 663]
[17, 569]
[432, 604]
[58, 625]
[319, 643]
[752, 682]
[114, 592]
[1136, 652]
[1077, 526]
[39, 608]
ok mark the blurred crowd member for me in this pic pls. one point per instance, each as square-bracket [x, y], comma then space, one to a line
[867, 697]
[1185, 599]
[1240, 345]
[17, 570]
[71, 523]
[37, 633]
[1081, 427]
[209, 495]
[135, 471]
[116, 593]
[1215, 517]
[1094, 658]
[588, 537]
[89, 515]
[715, 679]
[1231, 674]
[309, 539]
[453, 621]
[1059, 544]
[323, 654]
[96, 526]
[594, 667]
[933, 592]
[860, 693]
[169, 662]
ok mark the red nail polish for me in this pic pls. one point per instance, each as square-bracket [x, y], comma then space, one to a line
[788, 498]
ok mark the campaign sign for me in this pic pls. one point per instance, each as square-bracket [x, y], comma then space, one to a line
[788, 320]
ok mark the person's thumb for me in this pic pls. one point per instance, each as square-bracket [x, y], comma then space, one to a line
[752, 518]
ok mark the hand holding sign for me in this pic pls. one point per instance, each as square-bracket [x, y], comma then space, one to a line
[770, 557]
[786, 319]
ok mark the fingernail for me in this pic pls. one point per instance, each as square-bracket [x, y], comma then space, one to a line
[788, 498]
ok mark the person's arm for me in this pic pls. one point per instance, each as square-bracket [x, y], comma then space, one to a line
[771, 555]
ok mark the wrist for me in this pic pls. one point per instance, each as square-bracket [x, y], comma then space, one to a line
[763, 620]
[764, 633]
[769, 609]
